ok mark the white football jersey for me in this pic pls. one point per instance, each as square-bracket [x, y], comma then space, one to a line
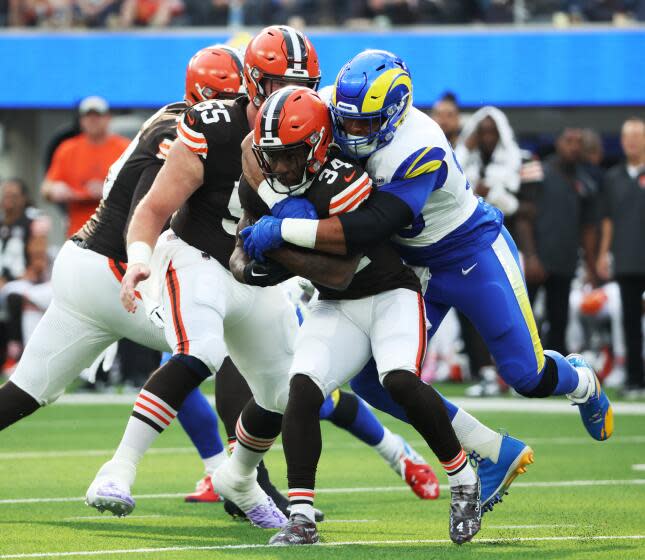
[447, 207]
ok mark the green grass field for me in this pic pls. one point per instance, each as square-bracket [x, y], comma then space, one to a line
[576, 501]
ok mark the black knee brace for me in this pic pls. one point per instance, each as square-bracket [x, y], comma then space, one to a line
[547, 383]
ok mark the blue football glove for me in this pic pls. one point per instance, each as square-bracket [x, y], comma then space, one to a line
[263, 236]
[294, 207]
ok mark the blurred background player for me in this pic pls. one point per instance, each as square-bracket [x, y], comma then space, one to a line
[623, 234]
[566, 220]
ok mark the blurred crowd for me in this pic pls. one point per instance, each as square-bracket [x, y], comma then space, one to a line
[117, 14]
[578, 222]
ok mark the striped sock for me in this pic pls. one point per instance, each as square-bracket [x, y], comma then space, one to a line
[152, 410]
[150, 416]
[459, 470]
[248, 451]
[301, 500]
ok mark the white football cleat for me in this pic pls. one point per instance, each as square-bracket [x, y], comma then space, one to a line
[110, 492]
[245, 492]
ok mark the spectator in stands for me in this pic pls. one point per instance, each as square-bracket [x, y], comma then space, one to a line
[97, 13]
[391, 12]
[16, 232]
[593, 153]
[491, 158]
[445, 112]
[207, 12]
[623, 233]
[53, 13]
[15, 229]
[566, 217]
[80, 164]
[150, 13]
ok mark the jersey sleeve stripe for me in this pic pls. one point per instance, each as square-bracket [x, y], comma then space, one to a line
[350, 191]
[201, 148]
[353, 203]
[189, 133]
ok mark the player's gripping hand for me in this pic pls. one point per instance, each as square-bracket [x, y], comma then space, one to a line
[294, 207]
[137, 272]
[263, 236]
[265, 274]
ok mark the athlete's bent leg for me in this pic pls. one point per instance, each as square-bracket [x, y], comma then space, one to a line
[349, 412]
[154, 410]
[236, 479]
[427, 414]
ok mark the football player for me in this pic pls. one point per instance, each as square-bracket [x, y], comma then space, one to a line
[380, 313]
[210, 314]
[425, 203]
[86, 316]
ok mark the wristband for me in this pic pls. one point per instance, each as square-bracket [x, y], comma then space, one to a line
[268, 195]
[299, 232]
[139, 252]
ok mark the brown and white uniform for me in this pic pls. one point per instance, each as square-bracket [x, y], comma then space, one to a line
[380, 314]
[86, 315]
[207, 313]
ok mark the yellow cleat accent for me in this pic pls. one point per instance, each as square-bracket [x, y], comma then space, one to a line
[527, 458]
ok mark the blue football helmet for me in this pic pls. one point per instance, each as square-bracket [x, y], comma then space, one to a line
[370, 99]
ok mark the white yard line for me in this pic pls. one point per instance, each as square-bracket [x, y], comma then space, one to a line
[329, 544]
[545, 526]
[360, 490]
[639, 467]
[17, 455]
[104, 517]
[349, 521]
[551, 406]
[89, 453]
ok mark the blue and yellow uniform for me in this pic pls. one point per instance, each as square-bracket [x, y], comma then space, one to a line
[463, 252]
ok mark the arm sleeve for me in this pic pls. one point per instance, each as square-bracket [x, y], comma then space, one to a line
[377, 220]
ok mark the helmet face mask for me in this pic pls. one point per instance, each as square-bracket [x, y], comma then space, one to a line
[290, 139]
[371, 98]
[285, 167]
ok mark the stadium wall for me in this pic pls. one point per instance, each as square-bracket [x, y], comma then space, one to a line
[502, 66]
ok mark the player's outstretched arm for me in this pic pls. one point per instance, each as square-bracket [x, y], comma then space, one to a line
[181, 175]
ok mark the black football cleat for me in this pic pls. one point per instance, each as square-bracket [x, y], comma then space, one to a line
[298, 530]
[465, 512]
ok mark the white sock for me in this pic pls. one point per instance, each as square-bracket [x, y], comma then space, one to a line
[459, 470]
[301, 500]
[474, 436]
[303, 509]
[582, 390]
[137, 439]
[244, 462]
[465, 476]
[211, 463]
[150, 416]
[390, 447]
